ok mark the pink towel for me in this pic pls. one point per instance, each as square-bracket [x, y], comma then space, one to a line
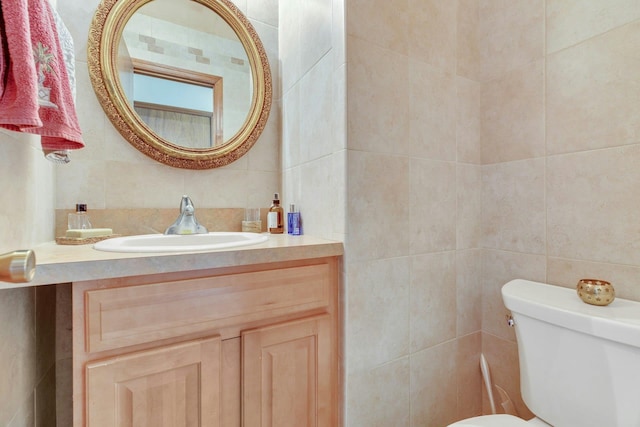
[35, 96]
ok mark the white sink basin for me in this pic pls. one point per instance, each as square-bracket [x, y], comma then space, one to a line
[180, 243]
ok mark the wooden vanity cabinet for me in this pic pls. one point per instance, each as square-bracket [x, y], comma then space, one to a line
[252, 346]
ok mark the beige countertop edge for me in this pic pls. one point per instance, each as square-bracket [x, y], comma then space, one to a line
[63, 264]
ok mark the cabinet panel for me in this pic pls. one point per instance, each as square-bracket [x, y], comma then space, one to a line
[231, 383]
[174, 386]
[289, 375]
[124, 316]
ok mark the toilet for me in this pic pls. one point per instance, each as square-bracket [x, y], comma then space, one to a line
[579, 363]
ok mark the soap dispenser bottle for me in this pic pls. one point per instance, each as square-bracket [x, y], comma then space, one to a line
[79, 220]
[275, 217]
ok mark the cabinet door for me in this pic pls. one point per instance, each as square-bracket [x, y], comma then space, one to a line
[288, 375]
[173, 386]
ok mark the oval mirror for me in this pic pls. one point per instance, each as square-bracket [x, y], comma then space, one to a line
[186, 82]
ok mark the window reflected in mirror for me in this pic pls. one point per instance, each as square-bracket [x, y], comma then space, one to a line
[180, 106]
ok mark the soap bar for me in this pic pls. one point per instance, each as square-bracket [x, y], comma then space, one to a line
[89, 232]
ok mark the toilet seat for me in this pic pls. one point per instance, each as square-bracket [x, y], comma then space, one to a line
[498, 420]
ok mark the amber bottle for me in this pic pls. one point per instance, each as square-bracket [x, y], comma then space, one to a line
[275, 217]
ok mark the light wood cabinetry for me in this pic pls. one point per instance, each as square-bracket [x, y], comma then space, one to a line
[287, 374]
[252, 346]
[176, 385]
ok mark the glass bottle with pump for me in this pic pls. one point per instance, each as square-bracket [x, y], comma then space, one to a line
[275, 217]
[79, 220]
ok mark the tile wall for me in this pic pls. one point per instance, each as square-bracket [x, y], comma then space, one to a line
[313, 113]
[559, 142]
[413, 257]
[527, 111]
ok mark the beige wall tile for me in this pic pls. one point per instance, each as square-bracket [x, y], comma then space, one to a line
[377, 321]
[380, 22]
[290, 47]
[432, 109]
[513, 206]
[25, 416]
[502, 357]
[339, 108]
[468, 126]
[434, 387]
[265, 11]
[322, 209]
[511, 35]
[570, 22]
[593, 201]
[468, 42]
[377, 107]
[315, 35]
[291, 143]
[469, 206]
[316, 111]
[468, 291]
[499, 267]
[17, 352]
[512, 115]
[129, 185]
[567, 272]
[28, 194]
[379, 397]
[433, 299]
[432, 32]
[468, 376]
[338, 32]
[85, 182]
[378, 201]
[432, 201]
[593, 93]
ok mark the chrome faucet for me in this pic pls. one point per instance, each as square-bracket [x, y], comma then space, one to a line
[186, 222]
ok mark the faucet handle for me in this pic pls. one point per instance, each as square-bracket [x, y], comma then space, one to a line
[185, 202]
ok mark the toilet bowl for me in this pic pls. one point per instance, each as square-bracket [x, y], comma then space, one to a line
[499, 420]
[579, 363]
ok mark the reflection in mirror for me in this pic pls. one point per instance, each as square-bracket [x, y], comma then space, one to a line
[188, 72]
[178, 105]
[143, 52]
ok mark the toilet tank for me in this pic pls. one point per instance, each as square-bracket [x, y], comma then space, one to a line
[579, 363]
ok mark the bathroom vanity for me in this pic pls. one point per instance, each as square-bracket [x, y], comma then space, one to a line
[242, 337]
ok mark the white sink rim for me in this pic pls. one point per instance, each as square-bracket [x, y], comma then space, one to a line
[180, 243]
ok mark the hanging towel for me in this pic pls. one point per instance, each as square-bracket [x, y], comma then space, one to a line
[35, 96]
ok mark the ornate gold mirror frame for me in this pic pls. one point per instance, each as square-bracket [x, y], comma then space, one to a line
[104, 37]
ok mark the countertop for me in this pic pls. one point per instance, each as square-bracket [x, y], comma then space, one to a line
[71, 263]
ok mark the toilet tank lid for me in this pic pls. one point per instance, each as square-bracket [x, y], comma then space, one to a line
[618, 321]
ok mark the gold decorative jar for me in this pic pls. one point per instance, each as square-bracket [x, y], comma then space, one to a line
[595, 291]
